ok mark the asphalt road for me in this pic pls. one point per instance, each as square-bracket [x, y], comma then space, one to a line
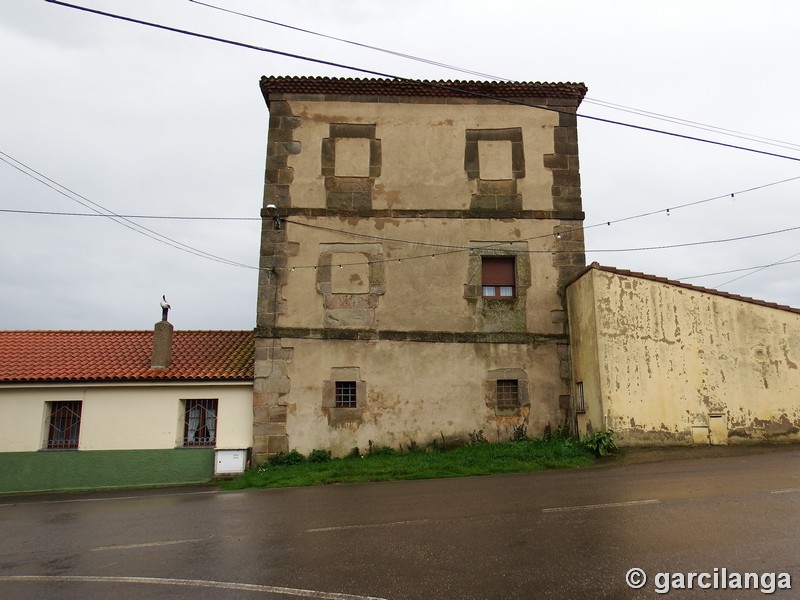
[558, 534]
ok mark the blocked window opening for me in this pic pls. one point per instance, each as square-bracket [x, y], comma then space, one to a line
[64, 425]
[200, 423]
[345, 394]
[498, 277]
[507, 393]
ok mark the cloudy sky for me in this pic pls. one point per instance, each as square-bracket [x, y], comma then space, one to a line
[110, 115]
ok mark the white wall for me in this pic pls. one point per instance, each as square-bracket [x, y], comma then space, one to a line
[123, 417]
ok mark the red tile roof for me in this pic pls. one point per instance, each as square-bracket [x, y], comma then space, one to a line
[64, 356]
[404, 87]
[680, 284]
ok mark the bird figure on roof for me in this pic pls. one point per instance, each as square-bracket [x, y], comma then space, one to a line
[164, 308]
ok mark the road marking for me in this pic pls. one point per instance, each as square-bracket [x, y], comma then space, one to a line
[593, 506]
[147, 545]
[110, 498]
[223, 585]
[390, 524]
[786, 491]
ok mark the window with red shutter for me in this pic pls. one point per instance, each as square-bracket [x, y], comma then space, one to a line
[497, 277]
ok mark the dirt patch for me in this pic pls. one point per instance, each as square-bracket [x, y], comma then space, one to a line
[646, 454]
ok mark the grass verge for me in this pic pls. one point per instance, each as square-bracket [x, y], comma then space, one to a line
[481, 459]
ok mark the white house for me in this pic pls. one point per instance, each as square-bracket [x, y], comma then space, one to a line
[92, 409]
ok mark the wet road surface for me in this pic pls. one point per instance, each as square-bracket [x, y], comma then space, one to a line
[557, 534]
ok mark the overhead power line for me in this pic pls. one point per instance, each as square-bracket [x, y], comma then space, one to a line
[587, 99]
[758, 269]
[445, 248]
[450, 246]
[101, 210]
[428, 83]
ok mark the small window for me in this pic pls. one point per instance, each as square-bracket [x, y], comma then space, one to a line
[345, 394]
[507, 393]
[64, 425]
[580, 406]
[497, 277]
[200, 423]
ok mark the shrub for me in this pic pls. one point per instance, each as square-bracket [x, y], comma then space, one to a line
[477, 437]
[600, 442]
[519, 432]
[319, 456]
[374, 450]
[290, 458]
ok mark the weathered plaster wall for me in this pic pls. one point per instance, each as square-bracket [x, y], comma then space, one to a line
[584, 351]
[417, 391]
[123, 417]
[683, 366]
[351, 173]
[422, 151]
[434, 285]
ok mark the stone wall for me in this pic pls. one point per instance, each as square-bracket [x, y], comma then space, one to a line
[355, 180]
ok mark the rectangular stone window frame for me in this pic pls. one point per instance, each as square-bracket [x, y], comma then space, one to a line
[472, 152]
[350, 193]
[516, 251]
[499, 387]
[338, 402]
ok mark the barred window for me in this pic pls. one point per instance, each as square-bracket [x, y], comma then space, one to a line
[345, 394]
[580, 404]
[64, 425]
[507, 393]
[200, 423]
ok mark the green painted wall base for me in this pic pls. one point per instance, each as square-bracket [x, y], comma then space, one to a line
[49, 471]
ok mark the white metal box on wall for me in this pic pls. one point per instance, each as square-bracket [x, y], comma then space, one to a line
[230, 462]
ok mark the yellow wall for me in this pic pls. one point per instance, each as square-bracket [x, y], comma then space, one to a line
[449, 174]
[123, 417]
[416, 391]
[422, 152]
[435, 285]
[682, 366]
[584, 355]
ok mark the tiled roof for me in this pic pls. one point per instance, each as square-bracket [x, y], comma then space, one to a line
[687, 286]
[64, 356]
[404, 87]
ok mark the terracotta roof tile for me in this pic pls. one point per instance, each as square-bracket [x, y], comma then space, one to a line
[687, 286]
[31, 356]
[404, 87]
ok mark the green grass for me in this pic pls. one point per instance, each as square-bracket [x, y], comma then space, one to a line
[481, 459]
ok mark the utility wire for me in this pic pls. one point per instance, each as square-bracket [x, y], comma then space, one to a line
[413, 242]
[159, 217]
[449, 247]
[119, 219]
[590, 100]
[775, 264]
[353, 43]
[759, 269]
[427, 83]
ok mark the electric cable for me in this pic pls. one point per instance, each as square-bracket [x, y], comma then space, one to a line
[426, 83]
[588, 99]
[120, 220]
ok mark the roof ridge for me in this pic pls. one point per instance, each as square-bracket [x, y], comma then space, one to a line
[688, 286]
